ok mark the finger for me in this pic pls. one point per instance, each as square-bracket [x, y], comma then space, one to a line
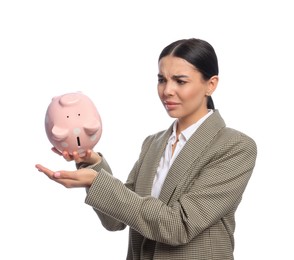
[66, 175]
[53, 149]
[45, 170]
[59, 176]
[67, 156]
[76, 156]
[88, 154]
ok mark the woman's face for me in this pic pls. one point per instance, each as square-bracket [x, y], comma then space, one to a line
[182, 89]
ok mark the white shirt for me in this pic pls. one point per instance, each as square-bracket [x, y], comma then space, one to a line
[168, 158]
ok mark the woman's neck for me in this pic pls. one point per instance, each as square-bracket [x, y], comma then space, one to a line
[185, 122]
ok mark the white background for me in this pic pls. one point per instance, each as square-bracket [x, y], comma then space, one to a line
[109, 50]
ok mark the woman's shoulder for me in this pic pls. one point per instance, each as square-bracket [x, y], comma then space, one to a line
[236, 133]
[228, 136]
[225, 132]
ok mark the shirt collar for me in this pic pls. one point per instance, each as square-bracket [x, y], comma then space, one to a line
[187, 133]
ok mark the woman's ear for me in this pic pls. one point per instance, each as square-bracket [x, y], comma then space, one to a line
[212, 84]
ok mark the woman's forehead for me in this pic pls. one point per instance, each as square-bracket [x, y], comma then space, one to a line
[175, 66]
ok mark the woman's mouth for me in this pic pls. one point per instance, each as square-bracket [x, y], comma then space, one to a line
[169, 105]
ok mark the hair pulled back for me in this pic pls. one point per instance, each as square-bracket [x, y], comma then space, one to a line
[197, 52]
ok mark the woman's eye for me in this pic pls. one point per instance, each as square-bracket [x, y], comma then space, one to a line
[181, 82]
[161, 80]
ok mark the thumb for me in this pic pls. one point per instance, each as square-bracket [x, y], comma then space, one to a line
[64, 175]
[57, 175]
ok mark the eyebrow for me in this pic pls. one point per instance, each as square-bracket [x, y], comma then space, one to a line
[179, 76]
[174, 76]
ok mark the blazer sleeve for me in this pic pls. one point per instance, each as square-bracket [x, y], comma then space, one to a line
[217, 190]
[109, 222]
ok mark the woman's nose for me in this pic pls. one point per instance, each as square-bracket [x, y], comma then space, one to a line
[169, 89]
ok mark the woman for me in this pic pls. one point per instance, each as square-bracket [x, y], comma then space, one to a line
[181, 196]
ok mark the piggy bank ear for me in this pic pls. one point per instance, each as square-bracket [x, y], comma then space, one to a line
[92, 128]
[59, 134]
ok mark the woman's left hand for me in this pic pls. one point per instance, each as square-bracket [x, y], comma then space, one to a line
[89, 157]
[70, 179]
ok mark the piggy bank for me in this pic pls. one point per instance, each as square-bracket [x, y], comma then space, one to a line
[73, 123]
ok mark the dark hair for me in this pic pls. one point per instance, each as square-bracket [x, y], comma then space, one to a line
[197, 52]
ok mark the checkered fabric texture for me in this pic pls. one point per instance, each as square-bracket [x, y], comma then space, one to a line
[194, 217]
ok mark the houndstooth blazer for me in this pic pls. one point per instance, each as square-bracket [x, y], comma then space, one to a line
[194, 215]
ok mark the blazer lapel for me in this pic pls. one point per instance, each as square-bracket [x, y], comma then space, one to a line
[150, 163]
[190, 152]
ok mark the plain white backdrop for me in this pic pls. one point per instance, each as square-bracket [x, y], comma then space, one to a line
[109, 51]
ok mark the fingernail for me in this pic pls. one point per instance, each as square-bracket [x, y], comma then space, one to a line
[56, 174]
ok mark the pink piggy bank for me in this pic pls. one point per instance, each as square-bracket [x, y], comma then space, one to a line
[73, 123]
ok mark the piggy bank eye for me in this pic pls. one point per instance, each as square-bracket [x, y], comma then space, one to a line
[67, 116]
[79, 114]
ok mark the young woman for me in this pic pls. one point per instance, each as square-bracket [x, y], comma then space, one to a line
[181, 196]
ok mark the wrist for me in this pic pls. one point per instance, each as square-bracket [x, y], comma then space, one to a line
[95, 158]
